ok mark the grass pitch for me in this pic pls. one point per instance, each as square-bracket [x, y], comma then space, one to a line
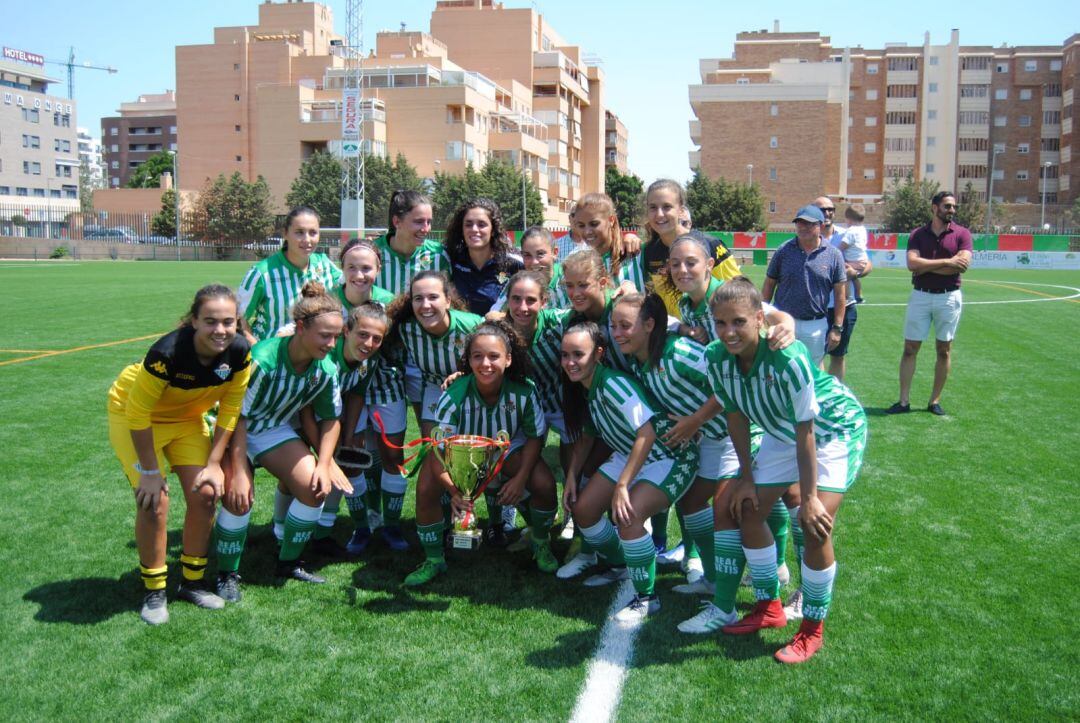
[955, 545]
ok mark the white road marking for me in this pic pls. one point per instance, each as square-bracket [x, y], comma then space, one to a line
[599, 698]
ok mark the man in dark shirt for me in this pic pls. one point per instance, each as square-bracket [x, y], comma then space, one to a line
[937, 254]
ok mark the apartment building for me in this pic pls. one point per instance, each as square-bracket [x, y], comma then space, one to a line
[802, 118]
[144, 128]
[39, 149]
[616, 142]
[90, 157]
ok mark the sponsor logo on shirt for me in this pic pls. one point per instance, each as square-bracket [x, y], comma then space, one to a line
[223, 372]
[158, 366]
[189, 377]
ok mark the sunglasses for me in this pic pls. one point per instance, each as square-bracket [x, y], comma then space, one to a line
[827, 210]
[949, 206]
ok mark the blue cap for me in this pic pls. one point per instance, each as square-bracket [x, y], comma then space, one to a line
[810, 213]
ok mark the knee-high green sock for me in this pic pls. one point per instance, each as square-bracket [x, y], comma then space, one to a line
[355, 503]
[540, 522]
[605, 541]
[699, 528]
[730, 561]
[431, 540]
[762, 562]
[659, 527]
[394, 487]
[300, 523]
[688, 540]
[817, 588]
[231, 532]
[641, 562]
[796, 534]
[329, 515]
[778, 525]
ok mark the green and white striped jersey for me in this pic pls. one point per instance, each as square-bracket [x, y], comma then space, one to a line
[618, 407]
[544, 349]
[631, 269]
[783, 388]
[270, 287]
[276, 392]
[700, 315]
[397, 271]
[437, 356]
[378, 294]
[386, 383]
[557, 296]
[613, 356]
[517, 410]
[352, 378]
[679, 384]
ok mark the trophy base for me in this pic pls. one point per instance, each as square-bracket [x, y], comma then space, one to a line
[466, 540]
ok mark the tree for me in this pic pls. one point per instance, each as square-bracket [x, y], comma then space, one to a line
[233, 210]
[971, 213]
[381, 178]
[318, 185]
[148, 175]
[164, 221]
[87, 186]
[451, 192]
[722, 205]
[498, 181]
[907, 204]
[627, 191]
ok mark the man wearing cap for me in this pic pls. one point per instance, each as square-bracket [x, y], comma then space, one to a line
[801, 275]
[937, 254]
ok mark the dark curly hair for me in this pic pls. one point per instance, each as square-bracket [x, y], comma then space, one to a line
[520, 367]
[575, 395]
[455, 244]
[400, 309]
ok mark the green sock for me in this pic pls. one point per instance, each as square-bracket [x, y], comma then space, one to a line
[796, 534]
[540, 522]
[374, 479]
[659, 528]
[762, 562]
[356, 505]
[231, 533]
[447, 510]
[393, 497]
[641, 562]
[431, 540]
[778, 526]
[605, 541]
[688, 540]
[817, 588]
[300, 523]
[699, 528]
[730, 560]
[328, 517]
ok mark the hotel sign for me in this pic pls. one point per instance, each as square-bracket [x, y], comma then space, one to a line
[23, 56]
[350, 123]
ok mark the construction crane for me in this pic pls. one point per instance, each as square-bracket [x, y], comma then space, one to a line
[352, 109]
[71, 65]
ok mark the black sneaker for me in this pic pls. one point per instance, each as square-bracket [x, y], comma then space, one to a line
[860, 300]
[935, 408]
[228, 586]
[330, 548]
[495, 535]
[296, 570]
[154, 610]
[195, 592]
[898, 408]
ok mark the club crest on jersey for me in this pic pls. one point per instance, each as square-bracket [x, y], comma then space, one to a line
[459, 342]
[223, 371]
[510, 406]
[769, 379]
[502, 278]
[423, 261]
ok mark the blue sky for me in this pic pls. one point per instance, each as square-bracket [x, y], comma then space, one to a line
[650, 50]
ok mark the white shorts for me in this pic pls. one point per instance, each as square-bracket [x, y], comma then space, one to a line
[718, 460]
[414, 384]
[813, 334]
[259, 443]
[838, 462]
[429, 402]
[668, 475]
[392, 416]
[941, 309]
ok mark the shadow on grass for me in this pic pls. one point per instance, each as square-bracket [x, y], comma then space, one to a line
[86, 600]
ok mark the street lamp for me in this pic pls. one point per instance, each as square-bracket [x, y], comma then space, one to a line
[990, 190]
[176, 197]
[750, 171]
[524, 213]
[1042, 195]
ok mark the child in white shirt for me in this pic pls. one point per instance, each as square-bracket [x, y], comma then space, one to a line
[853, 245]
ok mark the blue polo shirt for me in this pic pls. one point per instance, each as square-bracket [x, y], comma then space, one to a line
[481, 288]
[804, 281]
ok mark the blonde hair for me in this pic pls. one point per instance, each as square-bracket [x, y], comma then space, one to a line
[588, 262]
[602, 203]
[314, 301]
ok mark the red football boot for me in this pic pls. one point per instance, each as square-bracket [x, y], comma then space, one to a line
[766, 614]
[805, 643]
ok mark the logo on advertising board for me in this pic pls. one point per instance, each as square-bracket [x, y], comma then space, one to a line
[350, 123]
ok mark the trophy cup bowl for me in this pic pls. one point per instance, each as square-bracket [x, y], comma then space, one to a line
[471, 461]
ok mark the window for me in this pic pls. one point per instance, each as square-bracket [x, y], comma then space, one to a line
[20, 191]
[1021, 148]
[1025, 94]
[38, 192]
[1000, 121]
[1001, 94]
[1055, 65]
[774, 109]
[929, 167]
[903, 63]
[901, 91]
[871, 94]
[850, 120]
[31, 115]
[969, 62]
[31, 168]
[1048, 172]
[1052, 90]
[112, 132]
[870, 148]
[1025, 121]
[974, 117]
[1031, 65]
[1021, 175]
[969, 90]
[931, 141]
[61, 171]
[236, 97]
[114, 148]
[29, 141]
[236, 128]
[899, 144]
[850, 175]
[900, 117]
[772, 206]
[239, 158]
[1000, 147]
[236, 66]
[453, 150]
[1050, 144]
[742, 81]
[974, 144]
[172, 146]
[871, 120]
[971, 171]
[773, 142]
[772, 174]
[869, 174]
[871, 68]
[1021, 199]
[1050, 118]
[172, 130]
[931, 114]
[1002, 67]
[999, 174]
[933, 60]
[933, 87]
[115, 181]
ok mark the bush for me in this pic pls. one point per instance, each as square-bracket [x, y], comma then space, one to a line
[59, 252]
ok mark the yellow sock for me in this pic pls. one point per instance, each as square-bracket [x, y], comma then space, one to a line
[154, 577]
[193, 567]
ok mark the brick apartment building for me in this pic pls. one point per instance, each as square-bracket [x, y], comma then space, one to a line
[616, 141]
[260, 99]
[803, 118]
[144, 128]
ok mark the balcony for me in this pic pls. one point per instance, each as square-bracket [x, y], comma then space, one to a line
[568, 68]
[1049, 185]
[971, 158]
[1051, 157]
[982, 103]
[695, 159]
[975, 77]
[695, 132]
[902, 77]
[901, 104]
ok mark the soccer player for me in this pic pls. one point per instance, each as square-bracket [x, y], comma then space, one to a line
[597, 225]
[540, 253]
[493, 395]
[270, 287]
[156, 412]
[589, 287]
[482, 260]
[642, 476]
[289, 373]
[815, 433]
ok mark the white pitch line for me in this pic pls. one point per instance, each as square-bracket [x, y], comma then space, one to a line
[599, 698]
[1074, 295]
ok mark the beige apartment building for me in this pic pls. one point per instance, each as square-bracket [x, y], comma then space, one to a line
[260, 99]
[801, 118]
[143, 128]
[616, 142]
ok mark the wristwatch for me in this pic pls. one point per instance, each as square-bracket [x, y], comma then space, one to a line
[837, 328]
